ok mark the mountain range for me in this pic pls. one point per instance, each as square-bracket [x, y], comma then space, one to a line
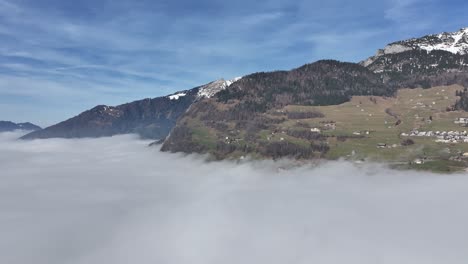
[235, 116]
[150, 118]
[6, 126]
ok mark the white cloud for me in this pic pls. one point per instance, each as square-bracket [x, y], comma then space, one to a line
[260, 18]
[115, 200]
[411, 13]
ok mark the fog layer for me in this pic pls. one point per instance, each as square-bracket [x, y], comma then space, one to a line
[115, 200]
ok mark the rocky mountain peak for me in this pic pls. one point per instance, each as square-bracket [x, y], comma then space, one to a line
[212, 88]
[453, 42]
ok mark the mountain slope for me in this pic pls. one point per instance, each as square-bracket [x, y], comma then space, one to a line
[6, 126]
[295, 113]
[149, 118]
[320, 83]
[249, 107]
[418, 68]
[433, 60]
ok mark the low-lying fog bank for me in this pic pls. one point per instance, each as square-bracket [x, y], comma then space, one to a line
[114, 200]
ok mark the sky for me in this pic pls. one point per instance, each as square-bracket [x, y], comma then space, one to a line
[134, 204]
[59, 58]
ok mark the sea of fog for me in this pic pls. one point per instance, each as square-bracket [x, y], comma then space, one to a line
[115, 200]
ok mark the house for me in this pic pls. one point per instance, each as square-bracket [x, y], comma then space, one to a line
[461, 120]
[381, 145]
[330, 126]
[315, 130]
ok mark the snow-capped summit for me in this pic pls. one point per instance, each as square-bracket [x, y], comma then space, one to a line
[212, 88]
[453, 42]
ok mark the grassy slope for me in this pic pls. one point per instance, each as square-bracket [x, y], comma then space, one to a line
[412, 106]
[366, 113]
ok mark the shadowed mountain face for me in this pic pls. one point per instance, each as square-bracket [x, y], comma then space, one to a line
[324, 82]
[149, 118]
[6, 126]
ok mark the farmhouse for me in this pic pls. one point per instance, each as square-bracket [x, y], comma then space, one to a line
[461, 120]
[330, 126]
[381, 145]
[316, 130]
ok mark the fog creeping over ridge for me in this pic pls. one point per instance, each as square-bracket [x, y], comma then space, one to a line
[115, 200]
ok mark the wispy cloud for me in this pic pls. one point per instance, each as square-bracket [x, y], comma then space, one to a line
[410, 12]
[149, 49]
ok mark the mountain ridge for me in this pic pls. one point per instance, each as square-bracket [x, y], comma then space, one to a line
[6, 126]
[453, 42]
[150, 118]
[273, 114]
[325, 109]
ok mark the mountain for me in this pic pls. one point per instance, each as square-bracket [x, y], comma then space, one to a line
[250, 105]
[432, 60]
[10, 126]
[149, 118]
[320, 83]
[407, 103]
[453, 42]
[310, 111]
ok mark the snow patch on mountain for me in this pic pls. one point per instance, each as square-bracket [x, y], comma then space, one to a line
[176, 96]
[209, 90]
[108, 110]
[454, 42]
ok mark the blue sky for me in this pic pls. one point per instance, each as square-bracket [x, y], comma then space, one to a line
[58, 58]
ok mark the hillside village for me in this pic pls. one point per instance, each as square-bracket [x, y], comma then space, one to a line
[444, 136]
